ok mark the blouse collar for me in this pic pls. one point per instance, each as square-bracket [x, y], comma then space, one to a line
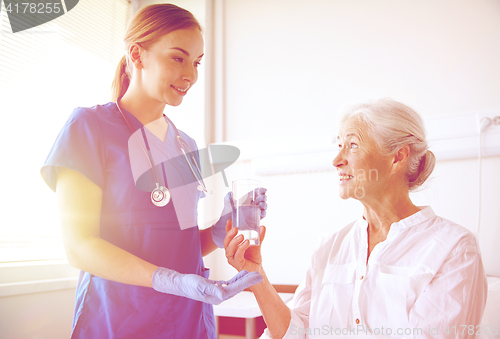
[419, 217]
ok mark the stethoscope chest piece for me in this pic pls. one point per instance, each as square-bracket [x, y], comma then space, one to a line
[160, 196]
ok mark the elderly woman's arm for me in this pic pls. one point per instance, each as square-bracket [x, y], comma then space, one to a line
[276, 314]
[453, 303]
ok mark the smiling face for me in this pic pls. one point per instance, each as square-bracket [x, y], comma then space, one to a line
[169, 67]
[363, 172]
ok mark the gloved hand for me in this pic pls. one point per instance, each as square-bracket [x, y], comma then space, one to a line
[219, 228]
[195, 287]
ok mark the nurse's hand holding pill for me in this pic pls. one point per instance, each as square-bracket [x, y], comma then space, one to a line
[195, 287]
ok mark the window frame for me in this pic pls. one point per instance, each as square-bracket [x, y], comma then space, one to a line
[26, 277]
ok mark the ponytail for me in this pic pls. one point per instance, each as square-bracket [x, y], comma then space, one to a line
[121, 80]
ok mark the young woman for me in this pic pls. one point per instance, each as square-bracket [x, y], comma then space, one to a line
[399, 270]
[140, 250]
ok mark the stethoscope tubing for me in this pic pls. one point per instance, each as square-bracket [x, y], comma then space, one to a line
[180, 141]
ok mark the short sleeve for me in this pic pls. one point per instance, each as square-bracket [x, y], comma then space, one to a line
[79, 146]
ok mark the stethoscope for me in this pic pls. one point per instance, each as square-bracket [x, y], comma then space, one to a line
[160, 195]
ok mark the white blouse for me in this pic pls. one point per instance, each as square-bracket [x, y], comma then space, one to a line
[426, 280]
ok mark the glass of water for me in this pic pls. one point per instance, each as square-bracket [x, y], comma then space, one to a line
[246, 214]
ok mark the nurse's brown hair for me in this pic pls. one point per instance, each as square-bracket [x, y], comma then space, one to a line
[149, 24]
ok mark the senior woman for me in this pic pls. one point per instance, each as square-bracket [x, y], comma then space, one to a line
[399, 270]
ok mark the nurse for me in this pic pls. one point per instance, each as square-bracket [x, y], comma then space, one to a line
[141, 261]
[398, 270]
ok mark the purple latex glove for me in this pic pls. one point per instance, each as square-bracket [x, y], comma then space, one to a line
[196, 287]
[219, 228]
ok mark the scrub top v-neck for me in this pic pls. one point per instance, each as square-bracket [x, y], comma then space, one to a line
[94, 142]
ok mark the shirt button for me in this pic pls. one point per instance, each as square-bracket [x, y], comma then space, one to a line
[357, 321]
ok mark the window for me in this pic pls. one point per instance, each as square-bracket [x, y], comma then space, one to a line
[45, 72]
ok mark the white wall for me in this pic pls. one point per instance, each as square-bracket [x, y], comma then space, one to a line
[287, 60]
[38, 315]
[290, 65]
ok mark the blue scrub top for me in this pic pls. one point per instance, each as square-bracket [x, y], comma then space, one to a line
[94, 142]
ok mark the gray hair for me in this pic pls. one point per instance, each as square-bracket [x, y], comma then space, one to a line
[393, 125]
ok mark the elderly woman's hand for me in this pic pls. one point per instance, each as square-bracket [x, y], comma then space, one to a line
[239, 253]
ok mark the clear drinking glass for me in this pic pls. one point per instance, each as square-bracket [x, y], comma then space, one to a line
[246, 215]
